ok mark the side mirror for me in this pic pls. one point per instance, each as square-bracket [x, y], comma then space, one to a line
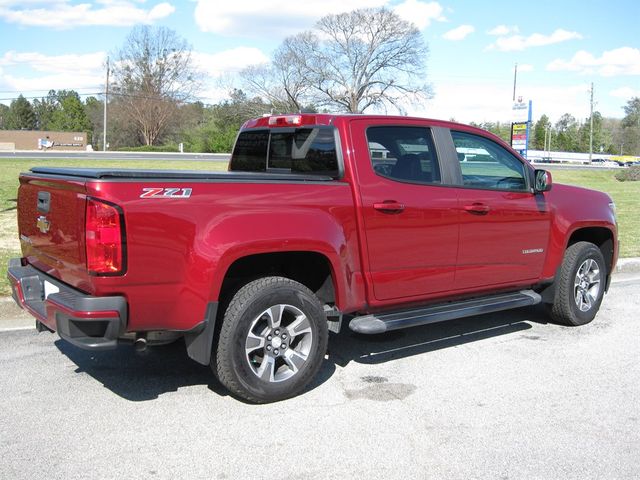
[543, 181]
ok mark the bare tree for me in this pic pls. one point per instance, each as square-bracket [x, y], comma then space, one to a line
[153, 74]
[352, 61]
[281, 83]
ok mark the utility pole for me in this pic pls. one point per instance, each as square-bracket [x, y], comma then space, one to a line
[515, 74]
[547, 140]
[104, 113]
[591, 124]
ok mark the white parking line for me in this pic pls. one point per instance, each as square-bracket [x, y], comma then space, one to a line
[626, 280]
[17, 329]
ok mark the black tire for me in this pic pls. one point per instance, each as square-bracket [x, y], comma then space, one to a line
[578, 295]
[272, 340]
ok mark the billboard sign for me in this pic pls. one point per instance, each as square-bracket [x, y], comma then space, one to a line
[519, 135]
[521, 119]
[520, 111]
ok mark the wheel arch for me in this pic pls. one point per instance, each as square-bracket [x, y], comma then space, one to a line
[601, 237]
[310, 268]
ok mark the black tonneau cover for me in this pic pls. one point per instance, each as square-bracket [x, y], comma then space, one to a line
[104, 174]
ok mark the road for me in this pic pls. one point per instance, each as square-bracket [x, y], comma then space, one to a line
[209, 157]
[505, 395]
[204, 157]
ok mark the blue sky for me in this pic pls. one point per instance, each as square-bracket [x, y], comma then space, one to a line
[560, 47]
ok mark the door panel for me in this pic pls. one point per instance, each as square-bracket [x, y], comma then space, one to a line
[504, 228]
[410, 219]
[504, 245]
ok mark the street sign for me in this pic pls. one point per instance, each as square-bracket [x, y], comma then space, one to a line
[521, 114]
[519, 135]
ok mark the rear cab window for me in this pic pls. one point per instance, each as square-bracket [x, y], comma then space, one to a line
[305, 150]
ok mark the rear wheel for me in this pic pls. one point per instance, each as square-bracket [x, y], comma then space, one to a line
[272, 340]
[580, 285]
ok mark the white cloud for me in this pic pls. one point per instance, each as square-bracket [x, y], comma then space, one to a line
[214, 93]
[40, 73]
[475, 101]
[520, 42]
[556, 100]
[85, 73]
[525, 67]
[625, 92]
[419, 13]
[467, 102]
[256, 17]
[620, 61]
[459, 33]
[38, 86]
[502, 30]
[62, 14]
[229, 61]
[84, 64]
[259, 17]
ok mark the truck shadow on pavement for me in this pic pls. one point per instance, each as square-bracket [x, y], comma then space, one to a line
[140, 377]
[143, 377]
[373, 349]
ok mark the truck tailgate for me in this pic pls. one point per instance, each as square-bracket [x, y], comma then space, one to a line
[51, 218]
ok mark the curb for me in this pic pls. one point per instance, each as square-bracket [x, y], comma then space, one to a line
[628, 265]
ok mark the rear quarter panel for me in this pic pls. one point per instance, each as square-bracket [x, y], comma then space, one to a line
[180, 249]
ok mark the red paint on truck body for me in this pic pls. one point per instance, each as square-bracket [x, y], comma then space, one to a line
[178, 250]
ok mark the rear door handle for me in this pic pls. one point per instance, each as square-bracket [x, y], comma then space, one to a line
[389, 206]
[477, 209]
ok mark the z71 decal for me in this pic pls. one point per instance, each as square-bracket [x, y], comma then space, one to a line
[159, 192]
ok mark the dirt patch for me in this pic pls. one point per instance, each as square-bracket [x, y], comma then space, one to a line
[9, 231]
[382, 392]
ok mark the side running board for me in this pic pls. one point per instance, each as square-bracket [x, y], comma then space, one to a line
[385, 322]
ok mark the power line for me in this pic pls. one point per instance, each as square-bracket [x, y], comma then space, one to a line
[47, 90]
[111, 93]
[42, 98]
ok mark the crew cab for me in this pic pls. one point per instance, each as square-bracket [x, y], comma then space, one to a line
[378, 222]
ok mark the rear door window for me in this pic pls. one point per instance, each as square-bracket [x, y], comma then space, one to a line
[404, 154]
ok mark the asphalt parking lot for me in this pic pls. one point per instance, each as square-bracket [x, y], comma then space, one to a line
[505, 395]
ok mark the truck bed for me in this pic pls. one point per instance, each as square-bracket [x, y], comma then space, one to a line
[124, 173]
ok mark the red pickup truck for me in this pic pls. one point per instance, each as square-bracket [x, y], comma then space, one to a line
[384, 222]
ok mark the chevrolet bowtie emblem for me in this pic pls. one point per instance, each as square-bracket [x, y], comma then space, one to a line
[43, 224]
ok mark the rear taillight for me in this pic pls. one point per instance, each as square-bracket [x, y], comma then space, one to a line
[104, 238]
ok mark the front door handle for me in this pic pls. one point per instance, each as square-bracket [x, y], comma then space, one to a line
[389, 206]
[477, 208]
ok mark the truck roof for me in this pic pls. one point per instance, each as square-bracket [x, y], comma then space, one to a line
[301, 119]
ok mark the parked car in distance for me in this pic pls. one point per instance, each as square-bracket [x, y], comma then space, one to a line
[604, 163]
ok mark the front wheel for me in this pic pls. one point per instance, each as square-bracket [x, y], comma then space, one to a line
[272, 340]
[580, 285]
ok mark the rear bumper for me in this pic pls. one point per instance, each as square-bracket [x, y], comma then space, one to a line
[92, 323]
